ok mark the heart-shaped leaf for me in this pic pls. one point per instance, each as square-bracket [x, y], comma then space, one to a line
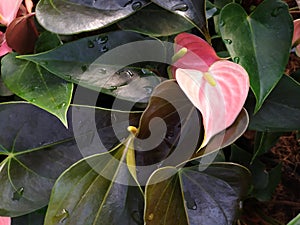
[67, 17]
[193, 10]
[37, 85]
[38, 148]
[196, 194]
[219, 94]
[278, 108]
[96, 190]
[84, 62]
[260, 42]
[154, 21]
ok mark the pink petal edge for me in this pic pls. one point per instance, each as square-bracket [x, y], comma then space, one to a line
[8, 10]
[5, 220]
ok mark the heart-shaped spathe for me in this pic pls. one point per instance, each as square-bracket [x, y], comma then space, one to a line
[218, 90]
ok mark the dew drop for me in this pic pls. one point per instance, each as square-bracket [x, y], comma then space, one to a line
[148, 89]
[104, 49]
[101, 40]
[136, 6]
[145, 71]
[32, 100]
[18, 194]
[227, 41]
[222, 23]
[91, 44]
[113, 88]
[61, 105]
[84, 68]
[62, 215]
[150, 216]
[276, 11]
[129, 73]
[102, 70]
[180, 7]
[236, 59]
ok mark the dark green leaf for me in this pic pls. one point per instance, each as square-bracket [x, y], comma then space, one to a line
[264, 141]
[261, 41]
[84, 62]
[281, 110]
[34, 218]
[192, 195]
[37, 85]
[96, 190]
[67, 17]
[264, 182]
[47, 41]
[152, 20]
[193, 10]
[38, 148]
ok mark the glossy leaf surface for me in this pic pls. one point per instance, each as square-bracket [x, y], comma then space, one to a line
[84, 62]
[195, 191]
[278, 108]
[193, 10]
[37, 85]
[69, 17]
[38, 148]
[260, 42]
[96, 190]
[152, 20]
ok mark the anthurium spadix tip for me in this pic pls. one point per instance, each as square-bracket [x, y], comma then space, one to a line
[218, 89]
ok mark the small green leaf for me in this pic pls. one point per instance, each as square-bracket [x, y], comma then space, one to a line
[96, 190]
[47, 41]
[69, 17]
[192, 195]
[154, 21]
[261, 41]
[37, 85]
[295, 221]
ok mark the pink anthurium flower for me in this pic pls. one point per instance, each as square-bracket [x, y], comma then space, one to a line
[296, 37]
[5, 220]
[218, 88]
[9, 10]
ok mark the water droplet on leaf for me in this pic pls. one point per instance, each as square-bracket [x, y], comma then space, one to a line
[101, 40]
[18, 194]
[129, 73]
[104, 49]
[227, 41]
[63, 104]
[32, 100]
[148, 89]
[113, 88]
[91, 44]
[276, 11]
[84, 68]
[62, 215]
[150, 216]
[236, 59]
[222, 23]
[102, 70]
[180, 7]
[136, 6]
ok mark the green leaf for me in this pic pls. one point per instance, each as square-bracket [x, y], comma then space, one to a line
[37, 85]
[154, 21]
[96, 190]
[264, 182]
[192, 10]
[264, 141]
[206, 194]
[84, 62]
[67, 17]
[34, 218]
[275, 115]
[260, 41]
[47, 41]
[295, 221]
[38, 148]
